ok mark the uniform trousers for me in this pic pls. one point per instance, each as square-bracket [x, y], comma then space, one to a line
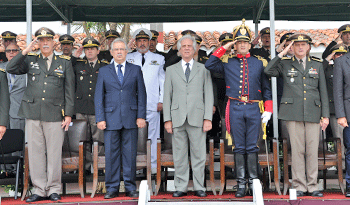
[196, 138]
[245, 122]
[120, 152]
[346, 136]
[96, 135]
[337, 131]
[304, 140]
[45, 141]
[153, 119]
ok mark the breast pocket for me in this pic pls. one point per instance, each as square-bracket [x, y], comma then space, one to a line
[292, 78]
[313, 80]
[58, 78]
[33, 75]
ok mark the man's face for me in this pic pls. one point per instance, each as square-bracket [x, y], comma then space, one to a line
[142, 45]
[153, 45]
[345, 37]
[109, 41]
[67, 48]
[265, 39]
[243, 47]
[300, 49]
[119, 52]
[187, 51]
[7, 42]
[46, 45]
[290, 51]
[11, 51]
[91, 53]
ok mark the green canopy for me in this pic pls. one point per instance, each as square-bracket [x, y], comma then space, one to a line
[150, 11]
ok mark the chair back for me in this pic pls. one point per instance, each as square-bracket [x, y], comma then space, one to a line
[168, 141]
[142, 140]
[77, 132]
[12, 141]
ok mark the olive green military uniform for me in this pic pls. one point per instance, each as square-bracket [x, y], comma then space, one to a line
[304, 102]
[49, 97]
[86, 78]
[4, 99]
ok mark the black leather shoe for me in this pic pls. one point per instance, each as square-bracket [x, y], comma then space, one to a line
[54, 197]
[111, 194]
[200, 193]
[34, 198]
[179, 194]
[133, 194]
[316, 194]
[347, 194]
[301, 193]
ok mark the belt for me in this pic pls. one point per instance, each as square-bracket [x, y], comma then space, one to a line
[244, 99]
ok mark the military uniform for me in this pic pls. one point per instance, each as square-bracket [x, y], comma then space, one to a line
[342, 29]
[246, 86]
[303, 103]
[48, 98]
[106, 55]
[4, 99]
[7, 35]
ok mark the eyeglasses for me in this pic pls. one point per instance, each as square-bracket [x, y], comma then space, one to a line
[11, 50]
[119, 49]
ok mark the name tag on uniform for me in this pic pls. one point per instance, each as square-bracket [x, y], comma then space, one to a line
[34, 65]
[154, 63]
[292, 73]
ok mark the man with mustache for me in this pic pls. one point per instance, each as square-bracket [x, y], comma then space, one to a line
[66, 44]
[264, 51]
[344, 35]
[153, 73]
[110, 36]
[7, 38]
[47, 105]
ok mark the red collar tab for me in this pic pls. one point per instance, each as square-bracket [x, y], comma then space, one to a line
[241, 56]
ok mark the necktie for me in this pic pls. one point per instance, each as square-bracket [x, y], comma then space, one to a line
[301, 63]
[120, 73]
[188, 71]
[91, 65]
[47, 63]
[143, 58]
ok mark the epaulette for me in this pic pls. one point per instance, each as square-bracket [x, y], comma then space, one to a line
[263, 60]
[32, 54]
[3, 70]
[286, 58]
[316, 59]
[205, 57]
[65, 57]
[104, 61]
[81, 60]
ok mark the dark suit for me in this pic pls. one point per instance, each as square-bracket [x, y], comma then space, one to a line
[4, 99]
[120, 105]
[341, 94]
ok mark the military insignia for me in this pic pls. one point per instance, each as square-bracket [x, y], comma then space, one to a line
[291, 80]
[3, 70]
[104, 61]
[65, 38]
[32, 54]
[63, 112]
[347, 28]
[154, 63]
[33, 78]
[57, 70]
[81, 77]
[313, 71]
[286, 58]
[341, 48]
[243, 31]
[89, 42]
[82, 72]
[300, 38]
[43, 32]
[267, 30]
[130, 60]
[227, 37]
[65, 57]
[34, 65]
[316, 59]
[59, 67]
[263, 60]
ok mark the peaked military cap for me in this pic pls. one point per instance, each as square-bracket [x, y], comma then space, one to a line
[226, 37]
[8, 35]
[265, 30]
[300, 37]
[44, 32]
[285, 36]
[339, 48]
[190, 32]
[65, 39]
[155, 34]
[112, 34]
[142, 33]
[344, 28]
[90, 42]
[198, 39]
[242, 32]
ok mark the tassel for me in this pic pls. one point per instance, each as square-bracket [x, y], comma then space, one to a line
[229, 138]
[261, 106]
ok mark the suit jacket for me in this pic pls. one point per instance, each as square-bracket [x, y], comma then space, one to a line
[328, 72]
[85, 79]
[193, 100]
[341, 87]
[16, 92]
[4, 99]
[49, 95]
[120, 104]
[304, 96]
[153, 76]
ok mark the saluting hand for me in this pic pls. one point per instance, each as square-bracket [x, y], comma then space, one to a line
[66, 122]
[330, 56]
[343, 122]
[2, 131]
[229, 45]
[206, 125]
[256, 40]
[30, 47]
[280, 47]
[78, 52]
[101, 125]
[285, 50]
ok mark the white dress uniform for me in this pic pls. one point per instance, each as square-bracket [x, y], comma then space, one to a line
[154, 76]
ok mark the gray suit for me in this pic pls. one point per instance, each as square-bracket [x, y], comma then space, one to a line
[187, 104]
[17, 85]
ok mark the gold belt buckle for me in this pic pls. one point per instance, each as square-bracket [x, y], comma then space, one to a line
[245, 98]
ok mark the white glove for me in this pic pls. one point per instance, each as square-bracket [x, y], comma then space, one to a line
[266, 116]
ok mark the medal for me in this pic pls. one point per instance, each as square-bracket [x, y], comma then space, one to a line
[292, 80]
[33, 78]
[81, 77]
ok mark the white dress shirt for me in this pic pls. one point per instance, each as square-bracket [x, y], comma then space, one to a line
[184, 66]
[116, 67]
